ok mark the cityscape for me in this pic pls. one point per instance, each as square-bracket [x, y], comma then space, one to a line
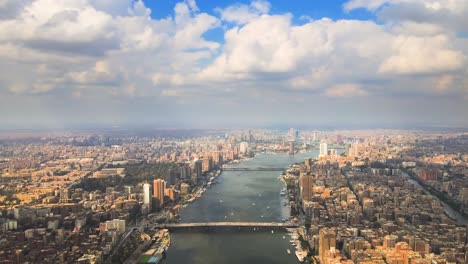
[355, 196]
[233, 132]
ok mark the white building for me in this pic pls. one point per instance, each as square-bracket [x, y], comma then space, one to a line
[408, 164]
[244, 147]
[10, 225]
[116, 224]
[147, 194]
[323, 149]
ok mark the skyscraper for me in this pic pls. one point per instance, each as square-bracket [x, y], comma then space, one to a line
[158, 191]
[327, 241]
[147, 194]
[291, 147]
[323, 149]
[185, 172]
[308, 164]
[306, 183]
[170, 177]
[244, 147]
[197, 170]
[207, 163]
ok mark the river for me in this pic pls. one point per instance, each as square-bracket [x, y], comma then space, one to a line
[239, 196]
[459, 218]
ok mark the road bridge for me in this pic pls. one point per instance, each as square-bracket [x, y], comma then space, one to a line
[226, 225]
[252, 169]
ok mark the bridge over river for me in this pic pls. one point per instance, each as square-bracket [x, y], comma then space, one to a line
[226, 225]
[252, 169]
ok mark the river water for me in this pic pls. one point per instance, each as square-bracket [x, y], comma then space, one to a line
[459, 218]
[239, 196]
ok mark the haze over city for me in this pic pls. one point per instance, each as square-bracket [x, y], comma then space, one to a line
[194, 64]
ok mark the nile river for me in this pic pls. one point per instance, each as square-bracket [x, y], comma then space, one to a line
[242, 196]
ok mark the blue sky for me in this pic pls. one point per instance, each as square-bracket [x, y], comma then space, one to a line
[198, 64]
[315, 9]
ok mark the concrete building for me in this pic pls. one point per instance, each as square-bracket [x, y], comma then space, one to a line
[147, 200]
[116, 224]
[291, 147]
[323, 149]
[197, 170]
[207, 164]
[327, 242]
[306, 185]
[244, 148]
[158, 191]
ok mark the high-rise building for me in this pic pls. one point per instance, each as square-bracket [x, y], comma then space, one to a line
[306, 186]
[197, 170]
[291, 147]
[323, 149]
[147, 194]
[314, 136]
[170, 177]
[249, 136]
[207, 163]
[172, 193]
[217, 158]
[354, 150]
[308, 164]
[158, 191]
[185, 172]
[244, 148]
[327, 241]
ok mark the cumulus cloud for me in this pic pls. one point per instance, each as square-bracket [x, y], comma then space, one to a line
[80, 50]
[413, 55]
[242, 13]
[451, 14]
[76, 38]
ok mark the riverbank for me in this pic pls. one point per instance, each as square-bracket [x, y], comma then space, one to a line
[449, 209]
[156, 253]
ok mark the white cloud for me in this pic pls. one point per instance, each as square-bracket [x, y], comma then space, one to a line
[88, 49]
[414, 55]
[451, 14]
[78, 37]
[242, 14]
[368, 4]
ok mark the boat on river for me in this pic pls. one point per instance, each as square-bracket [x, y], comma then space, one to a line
[300, 256]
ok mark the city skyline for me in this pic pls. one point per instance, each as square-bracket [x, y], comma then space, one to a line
[196, 64]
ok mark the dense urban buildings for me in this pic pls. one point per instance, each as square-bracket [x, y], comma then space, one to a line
[370, 196]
